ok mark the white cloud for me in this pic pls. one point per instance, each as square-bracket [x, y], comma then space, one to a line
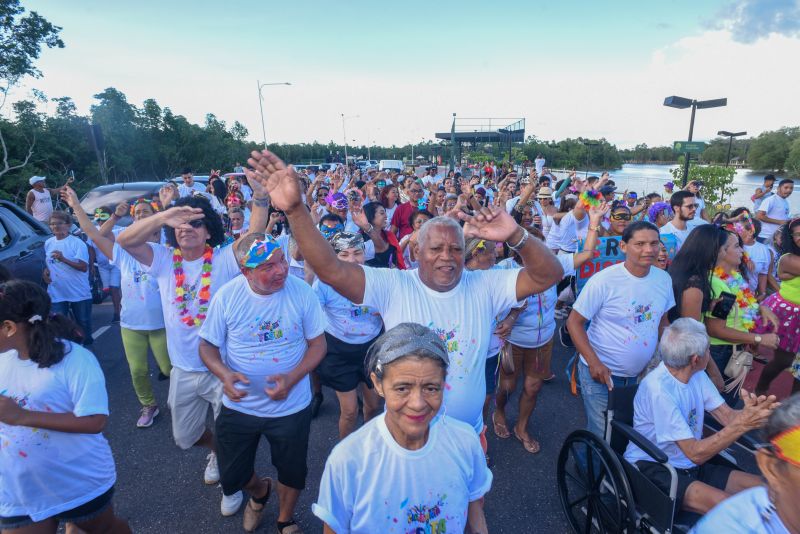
[750, 20]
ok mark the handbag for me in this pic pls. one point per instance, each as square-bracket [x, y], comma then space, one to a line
[738, 366]
[506, 358]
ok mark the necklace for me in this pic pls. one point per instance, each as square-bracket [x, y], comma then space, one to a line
[181, 290]
[745, 300]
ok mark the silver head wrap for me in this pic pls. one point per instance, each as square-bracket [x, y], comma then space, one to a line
[403, 340]
[344, 240]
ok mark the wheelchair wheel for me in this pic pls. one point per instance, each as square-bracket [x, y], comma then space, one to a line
[592, 485]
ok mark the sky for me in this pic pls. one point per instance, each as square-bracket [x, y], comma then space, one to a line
[401, 69]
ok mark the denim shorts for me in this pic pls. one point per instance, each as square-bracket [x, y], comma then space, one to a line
[79, 514]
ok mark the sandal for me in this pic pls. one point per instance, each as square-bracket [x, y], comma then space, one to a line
[530, 445]
[501, 431]
[291, 528]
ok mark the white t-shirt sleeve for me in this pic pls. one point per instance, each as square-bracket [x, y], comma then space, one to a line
[334, 504]
[766, 205]
[503, 287]
[481, 481]
[162, 257]
[379, 285]
[314, 320]
[711, 397]
[214, 328]
[591, 298]
[80, 250]
[86, 384]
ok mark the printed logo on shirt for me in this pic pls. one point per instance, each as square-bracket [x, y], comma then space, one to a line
[449, 337]
[424, 519]
[359, 311]
[141, 277]
[642, 313]
[269, 331]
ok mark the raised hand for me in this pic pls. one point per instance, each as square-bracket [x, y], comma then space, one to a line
[280, 181]
[181, 215]
[69, 196]
[360, 217]
[490, 223]
[122, 209]
[596, 213]
[166, 195]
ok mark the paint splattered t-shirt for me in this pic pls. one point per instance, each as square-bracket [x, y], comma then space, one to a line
[348, 322]
[625, 312]
[45, 472]
[141, 300]
[264, 335]
[463, 317]
[667, 411]
[372, 484]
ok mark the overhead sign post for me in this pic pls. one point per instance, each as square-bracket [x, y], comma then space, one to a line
[689, 147]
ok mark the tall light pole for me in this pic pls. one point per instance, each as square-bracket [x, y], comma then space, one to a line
[344, 134]
[680, 102]
[261, 106]
[730, 136]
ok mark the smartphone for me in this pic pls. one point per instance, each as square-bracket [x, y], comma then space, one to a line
[724, 306]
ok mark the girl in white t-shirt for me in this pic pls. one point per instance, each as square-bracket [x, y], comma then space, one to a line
[351, 330]
[142, 319]
[379, 477]
[55, 464]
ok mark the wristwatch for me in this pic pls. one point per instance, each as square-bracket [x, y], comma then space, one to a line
[757, 339]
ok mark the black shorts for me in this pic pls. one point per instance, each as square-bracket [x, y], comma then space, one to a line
[79, 514]
[238, 435]
[491, 374]
[342, 368]
[714, 475]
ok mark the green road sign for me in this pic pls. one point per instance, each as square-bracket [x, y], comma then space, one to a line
[692, 147]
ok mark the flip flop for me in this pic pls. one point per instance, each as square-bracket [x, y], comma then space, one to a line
[501, 431]
[531, 445]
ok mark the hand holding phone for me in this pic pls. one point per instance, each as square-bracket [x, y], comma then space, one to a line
[723, 308]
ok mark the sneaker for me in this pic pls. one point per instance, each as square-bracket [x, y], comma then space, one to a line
[231, 503]
[148, 414]
[212, 470]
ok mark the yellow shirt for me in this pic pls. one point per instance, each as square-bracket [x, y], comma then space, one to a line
[734, 320]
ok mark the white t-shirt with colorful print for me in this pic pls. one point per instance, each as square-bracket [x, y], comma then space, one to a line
[372, 484]
[348, 322]
[463, 317]
[141, 300]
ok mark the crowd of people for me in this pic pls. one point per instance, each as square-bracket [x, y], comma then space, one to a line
[422, 303]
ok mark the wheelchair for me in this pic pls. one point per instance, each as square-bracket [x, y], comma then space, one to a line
[601, 492]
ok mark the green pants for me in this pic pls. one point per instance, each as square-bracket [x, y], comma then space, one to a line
[135, 343]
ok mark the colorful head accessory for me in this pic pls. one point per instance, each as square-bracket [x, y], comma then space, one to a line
[329, 231]
[656, 210]
[152, 203]
[786, 445]
[669, 185]
[259, 252]
[590, 198]
[233, 199]
[337, 201]
[343, 240]
[101, 215]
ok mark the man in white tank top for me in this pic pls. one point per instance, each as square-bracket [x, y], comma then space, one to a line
[39, 201]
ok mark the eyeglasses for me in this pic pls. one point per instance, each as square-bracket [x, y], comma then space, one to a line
[415, 190]
[620, 216]
[690, 206]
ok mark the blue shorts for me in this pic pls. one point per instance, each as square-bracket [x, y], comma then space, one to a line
[491, 374]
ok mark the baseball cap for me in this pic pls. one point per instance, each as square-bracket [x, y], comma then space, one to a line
[35, 179]
[607, 189]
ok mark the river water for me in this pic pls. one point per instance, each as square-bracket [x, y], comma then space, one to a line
[647, 178]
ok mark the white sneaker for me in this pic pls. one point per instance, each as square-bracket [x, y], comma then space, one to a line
[231, 503]
[212, 470]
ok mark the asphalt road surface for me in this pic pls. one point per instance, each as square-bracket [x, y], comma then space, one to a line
[160, 488]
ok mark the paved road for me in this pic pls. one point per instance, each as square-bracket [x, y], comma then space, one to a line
[160, 488]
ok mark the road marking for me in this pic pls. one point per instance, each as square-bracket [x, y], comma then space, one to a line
[100, 331]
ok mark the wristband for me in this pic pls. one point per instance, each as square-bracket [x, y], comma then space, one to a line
[522, 241]
[261, 202]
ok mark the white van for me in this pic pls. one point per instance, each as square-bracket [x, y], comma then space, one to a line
[391, 165]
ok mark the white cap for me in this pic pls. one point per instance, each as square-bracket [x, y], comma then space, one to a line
[35, 179]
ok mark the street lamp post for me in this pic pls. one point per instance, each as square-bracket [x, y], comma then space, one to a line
[589, 144]
[261, 106]
[680, 102]
[344, 134]
[730, 136]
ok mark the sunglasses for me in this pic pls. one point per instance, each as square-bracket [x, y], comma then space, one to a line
[620, 216]
[691, 206]
[197, 223]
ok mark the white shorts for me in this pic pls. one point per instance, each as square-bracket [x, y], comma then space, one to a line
[191, 393]
[110, 275]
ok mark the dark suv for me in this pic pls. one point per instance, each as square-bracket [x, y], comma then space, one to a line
[22, 242]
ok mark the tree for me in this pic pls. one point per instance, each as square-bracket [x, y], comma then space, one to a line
[717, 183]
[21, 40]
[770, 149]
[793, 160]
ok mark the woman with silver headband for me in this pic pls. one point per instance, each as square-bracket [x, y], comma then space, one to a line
[350, 332]
[770, 509]
[411, 467]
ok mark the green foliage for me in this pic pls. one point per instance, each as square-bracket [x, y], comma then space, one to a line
[770, 149]
[717, 150]
[644, 154]
[717, 182]
[21, 40]
[574, 153]
[793, 160]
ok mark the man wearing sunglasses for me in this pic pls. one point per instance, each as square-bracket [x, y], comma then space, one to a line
[684, 204]
[189, 271]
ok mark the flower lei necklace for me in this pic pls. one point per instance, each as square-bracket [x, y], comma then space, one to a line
[180, 288]
[745, 300]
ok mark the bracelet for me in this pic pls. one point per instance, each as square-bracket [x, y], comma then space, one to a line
[522, 241]
[369, 230]
[595, 228]
[261, 202]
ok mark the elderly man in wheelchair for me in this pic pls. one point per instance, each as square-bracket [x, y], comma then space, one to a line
[669, 410]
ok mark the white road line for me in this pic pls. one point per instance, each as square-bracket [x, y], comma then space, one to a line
[100, 331]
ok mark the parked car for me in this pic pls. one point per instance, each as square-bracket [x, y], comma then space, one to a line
[22, 242]
[112, 194]
[391, 165]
